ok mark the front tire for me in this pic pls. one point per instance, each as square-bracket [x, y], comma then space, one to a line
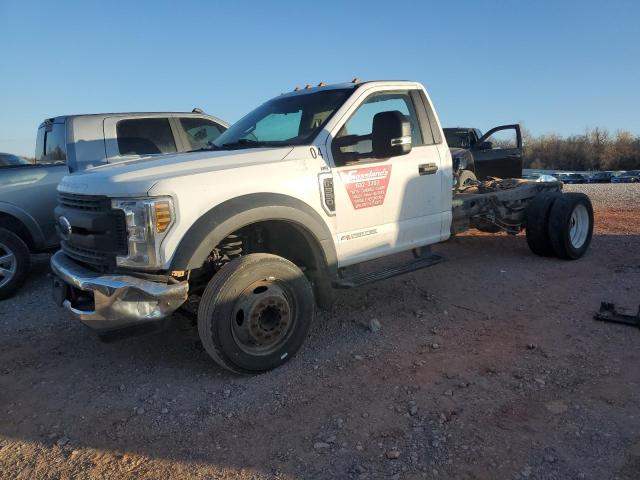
[255, 313]
[15, 262]
[571, 225]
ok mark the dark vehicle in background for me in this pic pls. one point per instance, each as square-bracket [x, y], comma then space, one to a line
[75, 143]
[478, 157]
[572, 178]
[600, 177]
[632, 176]
[9, 160]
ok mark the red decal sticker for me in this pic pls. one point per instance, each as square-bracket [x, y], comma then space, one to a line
[367, 187]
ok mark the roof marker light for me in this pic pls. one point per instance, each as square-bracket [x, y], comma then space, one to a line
[307, 86]
[322, 84]
[355, 80]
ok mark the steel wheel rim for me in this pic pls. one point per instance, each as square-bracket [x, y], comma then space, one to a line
[579, 226]
[8, 265]
[262, 317]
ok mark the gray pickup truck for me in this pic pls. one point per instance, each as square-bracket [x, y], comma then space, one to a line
[74, 143]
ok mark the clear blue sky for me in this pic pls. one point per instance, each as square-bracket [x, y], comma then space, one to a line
[556, 66]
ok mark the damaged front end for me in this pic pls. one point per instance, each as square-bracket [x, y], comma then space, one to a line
[107, 302]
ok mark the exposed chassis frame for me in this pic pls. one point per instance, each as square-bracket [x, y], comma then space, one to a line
[497, 204]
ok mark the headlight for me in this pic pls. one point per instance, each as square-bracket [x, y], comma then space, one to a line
[148, 221]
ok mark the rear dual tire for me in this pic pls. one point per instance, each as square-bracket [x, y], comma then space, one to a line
[571, 225]
[537, 223]
[559, 225]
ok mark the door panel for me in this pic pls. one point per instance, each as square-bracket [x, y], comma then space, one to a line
[384, 205]
[32, 189]
[499, 153]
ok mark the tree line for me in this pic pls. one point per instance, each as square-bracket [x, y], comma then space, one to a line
[595, 149]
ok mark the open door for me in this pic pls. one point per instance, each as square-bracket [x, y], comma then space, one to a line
[498, 153]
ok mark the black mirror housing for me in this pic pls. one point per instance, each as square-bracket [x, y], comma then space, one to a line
[391, 135]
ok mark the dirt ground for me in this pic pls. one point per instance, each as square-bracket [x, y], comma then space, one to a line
[487, 366]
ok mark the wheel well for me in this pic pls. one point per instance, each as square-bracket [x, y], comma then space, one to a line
[278, 237]
[14, 225]
[285, 239]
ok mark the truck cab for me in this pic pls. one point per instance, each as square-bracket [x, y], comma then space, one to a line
[324, 177]
[392, 200]
[85, 141]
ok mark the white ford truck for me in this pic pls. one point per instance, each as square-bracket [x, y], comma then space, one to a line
[252, 232]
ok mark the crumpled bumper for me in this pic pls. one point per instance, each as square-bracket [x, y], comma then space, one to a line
[119, 301]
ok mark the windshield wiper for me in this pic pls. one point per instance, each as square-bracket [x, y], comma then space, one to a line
[205, 149]
[244, 143]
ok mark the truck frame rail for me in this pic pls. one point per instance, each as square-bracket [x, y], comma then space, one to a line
[496, 205]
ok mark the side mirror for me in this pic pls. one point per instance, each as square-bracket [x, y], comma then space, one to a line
[483, 146]
[391, 135]
[346, 141]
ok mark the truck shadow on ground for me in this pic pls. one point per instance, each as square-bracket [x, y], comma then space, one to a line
[126, 406]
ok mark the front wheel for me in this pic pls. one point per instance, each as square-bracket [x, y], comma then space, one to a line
[255, 313]
[15, 261]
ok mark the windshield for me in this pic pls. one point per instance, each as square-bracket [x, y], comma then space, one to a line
[283, 121]
[457, 138]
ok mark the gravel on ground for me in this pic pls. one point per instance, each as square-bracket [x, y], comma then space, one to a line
[612, 195]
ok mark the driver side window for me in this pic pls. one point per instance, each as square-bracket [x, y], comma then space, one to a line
[360, 124]
[503, 139]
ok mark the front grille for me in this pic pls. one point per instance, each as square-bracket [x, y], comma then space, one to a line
[99, 233]
[121, 239]
[86, 203]
[86, 255]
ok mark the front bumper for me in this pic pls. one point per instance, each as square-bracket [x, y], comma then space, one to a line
[106, 302]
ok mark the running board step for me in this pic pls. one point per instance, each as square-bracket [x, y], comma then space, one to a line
[365, 278]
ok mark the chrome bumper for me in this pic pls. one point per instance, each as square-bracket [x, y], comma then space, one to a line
[120, 301]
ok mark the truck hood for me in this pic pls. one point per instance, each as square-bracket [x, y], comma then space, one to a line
[136, 177]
